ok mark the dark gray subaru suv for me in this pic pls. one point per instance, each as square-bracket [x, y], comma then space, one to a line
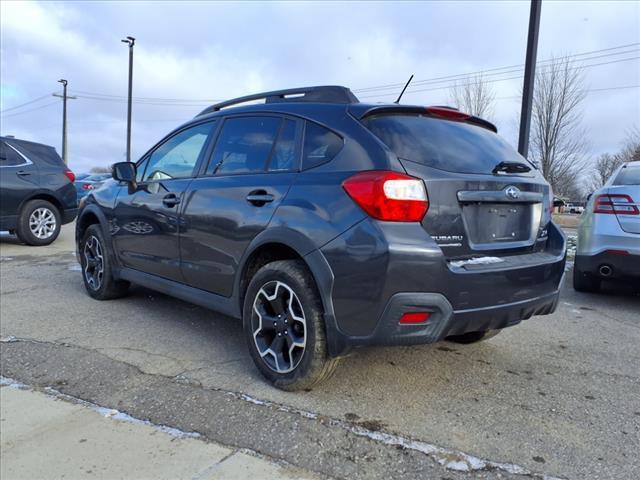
[328, 224]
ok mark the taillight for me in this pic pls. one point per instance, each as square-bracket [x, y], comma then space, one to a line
[615, 203]
[70, 175]
[389, 196]
[87, 186]
[448, 113]
[550, 199]
[412, 318]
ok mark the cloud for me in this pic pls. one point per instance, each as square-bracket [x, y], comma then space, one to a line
[215, 50]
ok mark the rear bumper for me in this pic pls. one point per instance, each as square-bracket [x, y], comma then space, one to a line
[69, 215]
[619, 266]
[444, 321]
[383, 270]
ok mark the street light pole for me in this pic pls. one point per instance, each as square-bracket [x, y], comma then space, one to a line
[130, 41]
[64, 117]
[529, 77]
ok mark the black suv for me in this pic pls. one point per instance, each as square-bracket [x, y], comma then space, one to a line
[327, 224]
[37, 195]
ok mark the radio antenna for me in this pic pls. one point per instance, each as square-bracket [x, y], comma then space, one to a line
[405, 87]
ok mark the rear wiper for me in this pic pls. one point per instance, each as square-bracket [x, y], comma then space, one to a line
[510, 167]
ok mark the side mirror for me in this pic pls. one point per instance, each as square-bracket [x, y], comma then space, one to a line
[558, 202]
[125, 172]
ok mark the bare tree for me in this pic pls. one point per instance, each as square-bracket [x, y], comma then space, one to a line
[604, 167]
[474, 95]
[631, 146]
[606, 163]
[558, 141]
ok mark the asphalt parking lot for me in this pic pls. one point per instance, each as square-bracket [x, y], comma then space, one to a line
[557, 395]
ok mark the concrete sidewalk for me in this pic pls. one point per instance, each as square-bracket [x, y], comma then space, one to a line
[42, 436]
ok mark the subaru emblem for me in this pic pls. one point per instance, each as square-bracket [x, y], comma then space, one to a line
[512, 192]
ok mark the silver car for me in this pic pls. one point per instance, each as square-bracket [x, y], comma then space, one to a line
[609, 232]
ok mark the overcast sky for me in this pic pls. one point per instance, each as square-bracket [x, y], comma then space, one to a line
[196, 53]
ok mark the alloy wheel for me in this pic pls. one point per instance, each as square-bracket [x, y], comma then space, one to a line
[279, 326]
[42, 223]
[93, 262]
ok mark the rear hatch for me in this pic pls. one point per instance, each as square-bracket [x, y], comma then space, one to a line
[484, 198]
[625, 195]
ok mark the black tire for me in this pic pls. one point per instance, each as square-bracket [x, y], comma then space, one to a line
[45, 219]
[93, 257]
[297, 369]
[473, 337]
[584, 281]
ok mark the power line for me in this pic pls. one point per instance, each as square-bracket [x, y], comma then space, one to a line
[499, 71]
[25, 103]
[152, 99]
[486, 71]
[31, 109]
[444, 87]
[505, 72]
[593, 90]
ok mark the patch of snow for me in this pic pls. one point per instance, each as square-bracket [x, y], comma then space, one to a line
[476, 261]
[105, 412]
[450, 459]
[8, 339]
[10, 382]
[75, 267]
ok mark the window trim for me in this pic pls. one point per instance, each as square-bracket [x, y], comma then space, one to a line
[304, 136]
[297, 148]
[205, 166]
[22, 155]
[196, 168]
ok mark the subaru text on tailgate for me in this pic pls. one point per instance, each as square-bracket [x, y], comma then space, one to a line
[327, 224]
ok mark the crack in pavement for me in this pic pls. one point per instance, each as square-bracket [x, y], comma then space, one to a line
[450, 460]
[116, 415]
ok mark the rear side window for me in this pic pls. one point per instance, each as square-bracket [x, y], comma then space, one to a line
[38, 153]
[320, 145]
[9, 157]
[628, 176]
[244, 145]
[443, 144]
[283, 157]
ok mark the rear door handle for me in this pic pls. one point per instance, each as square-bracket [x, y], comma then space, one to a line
[170, 200]
[259, 198]
[23, 173]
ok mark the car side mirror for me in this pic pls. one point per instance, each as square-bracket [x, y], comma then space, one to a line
[558, 202]
[125, 172]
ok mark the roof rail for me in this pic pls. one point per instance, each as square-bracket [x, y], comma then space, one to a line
[319, 94]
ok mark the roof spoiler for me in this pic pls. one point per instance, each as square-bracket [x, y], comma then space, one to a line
[382, 109]
[317, 94]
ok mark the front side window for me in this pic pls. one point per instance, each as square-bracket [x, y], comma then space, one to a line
[140, 168]
[244, 145]
[320, 145]
[177, 157]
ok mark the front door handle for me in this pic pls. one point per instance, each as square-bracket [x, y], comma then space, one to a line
[170, 200]
[259, 198]
[23, 173]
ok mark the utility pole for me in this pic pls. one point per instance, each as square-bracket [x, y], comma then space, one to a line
[64, 117]
[529, 77]
[130, 41]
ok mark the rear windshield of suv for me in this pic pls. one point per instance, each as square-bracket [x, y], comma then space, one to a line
[443, 144]
[628, 176]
